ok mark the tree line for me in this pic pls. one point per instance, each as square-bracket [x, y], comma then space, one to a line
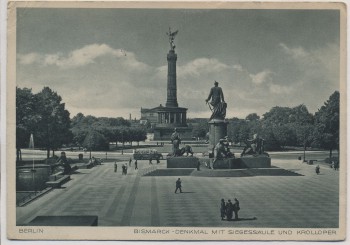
[44, 115]
[283, 126]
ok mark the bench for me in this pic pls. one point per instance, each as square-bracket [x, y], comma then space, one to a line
[56, 176]
[57, 183]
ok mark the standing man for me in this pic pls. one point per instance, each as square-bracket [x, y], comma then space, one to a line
[136, 165]
[229, 210]
[223, 209]
[217, 101]
[178, 185]
[115, 167]
[317, 169]
[236, 208]
[130, 162]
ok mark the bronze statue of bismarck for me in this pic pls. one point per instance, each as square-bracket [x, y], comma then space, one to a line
[217, 101]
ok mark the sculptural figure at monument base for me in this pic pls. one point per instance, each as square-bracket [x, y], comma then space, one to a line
[254, 146]
[222, 151]
[175, 141]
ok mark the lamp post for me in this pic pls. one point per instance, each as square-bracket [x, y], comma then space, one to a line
[122, 142]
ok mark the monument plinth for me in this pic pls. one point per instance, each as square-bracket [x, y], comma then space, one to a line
[217, 131]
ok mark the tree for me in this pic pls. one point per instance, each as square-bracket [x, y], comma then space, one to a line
[252, 117]
[138, 134]
[26, 118]
[95, 141]
[300, 115]
[233, 129]
[53, 128]
[200, 128]
[277, 116]
[284, 135]
[327, 123]
[305, 136]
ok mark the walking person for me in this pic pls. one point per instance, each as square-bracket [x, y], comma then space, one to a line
[236, 208]
[178, 185]
[336, 165]
[136, 165]
[115, 167]
[130, 162]
[126, 169]
[317, 169]
[223, 209]
[229, 210]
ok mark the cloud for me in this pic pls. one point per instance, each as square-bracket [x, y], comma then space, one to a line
[28, 59]
[238, 67]
[280, 89]
[318, 64]
[86, 55]
[100, 80]
[261, 77]
[296, 53]
[200, 66]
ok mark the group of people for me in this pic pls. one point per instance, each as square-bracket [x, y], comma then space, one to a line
[227, 209]
[335, 165]
[124, 167]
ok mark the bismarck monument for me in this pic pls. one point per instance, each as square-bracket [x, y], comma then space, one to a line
[253, 155]
[217, 122]
[171, 116]
[218, 143]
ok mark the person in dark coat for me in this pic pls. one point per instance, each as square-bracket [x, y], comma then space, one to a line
[317, 169]
[124, 172]
[229, 210]
[115, 167]
[178, 185]
[223, 209]
[136, 165]
[236, 208]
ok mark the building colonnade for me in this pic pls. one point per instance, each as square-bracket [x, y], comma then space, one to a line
[172, 117]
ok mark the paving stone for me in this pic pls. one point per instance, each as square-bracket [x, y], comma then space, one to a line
[303, 200]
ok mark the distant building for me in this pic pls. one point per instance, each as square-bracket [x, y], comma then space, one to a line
[149, 115]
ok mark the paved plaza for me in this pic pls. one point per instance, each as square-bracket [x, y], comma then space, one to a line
[301, 200]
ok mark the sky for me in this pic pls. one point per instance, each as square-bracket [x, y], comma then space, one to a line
[112, 62]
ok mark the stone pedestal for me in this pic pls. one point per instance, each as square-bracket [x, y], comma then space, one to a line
[182, 162]
[217, 131]
[243, 162]
[223, 163]
[251, 162]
